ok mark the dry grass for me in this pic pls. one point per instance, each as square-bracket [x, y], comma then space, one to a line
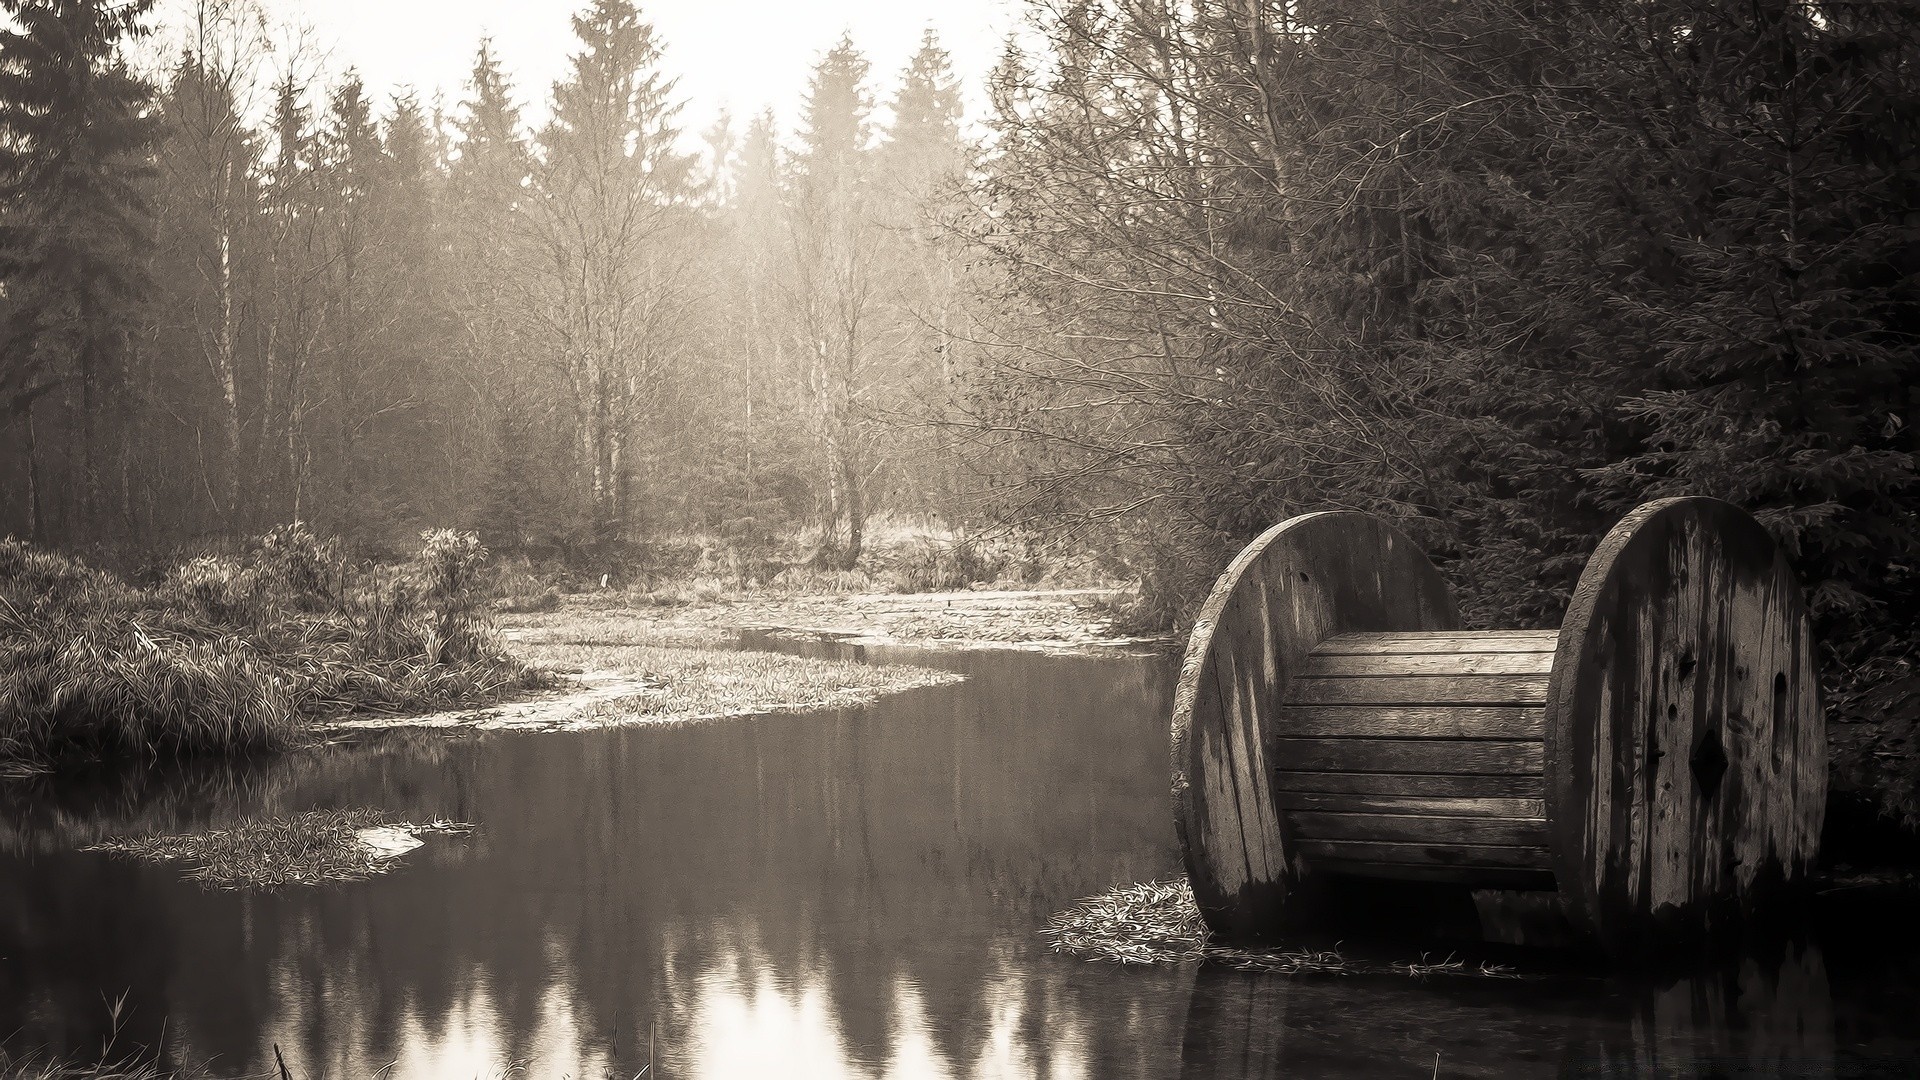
[236, 652]
[305, 849]
[1158, 923]
[42, 1067]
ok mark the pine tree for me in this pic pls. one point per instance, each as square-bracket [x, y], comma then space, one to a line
[75, 223]
[608, 206]
[835, 290]
[294, 254]
[921, 171]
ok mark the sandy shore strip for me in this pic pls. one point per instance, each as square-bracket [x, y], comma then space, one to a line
[1051, 620]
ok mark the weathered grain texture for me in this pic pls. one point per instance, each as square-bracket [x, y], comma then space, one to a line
[1530, 786]
[1479, 641]
[1419, 828]
[1473, 757]
[1411, 722]
[1300, 583]
[1480, 877]
[1427, 663]
[1685, 744]
[1402, 804]
[1377, 853]
[1421, 690]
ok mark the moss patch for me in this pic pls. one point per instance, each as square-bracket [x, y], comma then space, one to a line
[305, 849]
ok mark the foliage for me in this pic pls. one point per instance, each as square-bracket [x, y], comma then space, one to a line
[1497, 272]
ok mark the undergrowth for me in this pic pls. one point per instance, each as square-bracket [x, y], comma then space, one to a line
[236, 652]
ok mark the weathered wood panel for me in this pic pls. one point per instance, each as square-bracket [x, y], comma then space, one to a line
[1479, 641]
[1475, 756]
[1685, 738]
[1530, 786]
[1400, 804]
[1419, 828]
[1410, 722]
[1300, 583]
[1421, 690]
[1321, 664]
[1386, 853]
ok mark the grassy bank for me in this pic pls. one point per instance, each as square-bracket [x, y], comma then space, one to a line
[235, 652]
[619, 668]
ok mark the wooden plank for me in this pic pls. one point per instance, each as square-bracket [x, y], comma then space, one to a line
[1482, 877]
[1410, 722]
[1396, 664]
[1471, 757]
[1419, 829]
[1403, 804]
[1485, 641]
[1420, 690]
[1423, 785]
[1328, 852]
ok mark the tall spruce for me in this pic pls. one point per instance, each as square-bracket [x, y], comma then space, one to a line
[835, 291]
[76, 134]
[608, 207]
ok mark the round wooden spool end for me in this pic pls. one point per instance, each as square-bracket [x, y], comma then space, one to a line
[1301, 582]
[1685, 743]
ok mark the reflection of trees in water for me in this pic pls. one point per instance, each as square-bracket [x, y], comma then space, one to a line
[45, 814]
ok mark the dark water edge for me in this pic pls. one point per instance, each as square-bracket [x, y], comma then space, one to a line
[835, 895]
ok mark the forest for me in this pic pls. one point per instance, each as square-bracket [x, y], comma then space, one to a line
[1497, 270]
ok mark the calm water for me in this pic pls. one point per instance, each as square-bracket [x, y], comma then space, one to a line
[835, 895]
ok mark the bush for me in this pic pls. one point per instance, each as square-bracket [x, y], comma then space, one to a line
[234, 653]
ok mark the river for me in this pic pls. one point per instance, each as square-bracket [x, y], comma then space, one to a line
[847, 894]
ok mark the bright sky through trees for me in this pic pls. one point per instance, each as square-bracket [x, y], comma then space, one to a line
[739, 55]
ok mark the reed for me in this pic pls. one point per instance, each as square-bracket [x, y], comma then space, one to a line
[238, 652]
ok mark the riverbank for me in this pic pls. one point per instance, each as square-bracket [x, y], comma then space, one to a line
[608, 681]
[622, 660]
[1047, 620]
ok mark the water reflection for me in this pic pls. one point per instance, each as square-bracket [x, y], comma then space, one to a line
[842, 895]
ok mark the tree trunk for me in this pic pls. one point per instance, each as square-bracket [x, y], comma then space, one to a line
[223, 370]
[33, 481]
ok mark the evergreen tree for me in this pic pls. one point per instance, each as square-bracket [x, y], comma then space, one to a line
[835, 291]
[75, 228]
[608, 208]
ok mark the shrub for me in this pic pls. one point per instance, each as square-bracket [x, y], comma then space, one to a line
[234, 653]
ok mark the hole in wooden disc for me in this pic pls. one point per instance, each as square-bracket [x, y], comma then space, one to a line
[1303, 577]
[1687, 663]
[1709, 764]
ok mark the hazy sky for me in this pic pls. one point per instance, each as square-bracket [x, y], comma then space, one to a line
[741, 55]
